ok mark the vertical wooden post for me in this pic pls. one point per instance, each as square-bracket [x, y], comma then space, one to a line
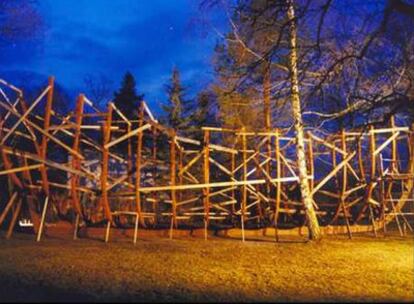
[75, 231]
[173, 183]
[7, 208]
[257, 187]
[138, 160]
[129, 159]
[267, 79]
[104, 171]
[344, 183]
[394, 160]
[180, 176]
[14, 219]
[334, 163]
[388, 192]
[42, 222]
[46, 125]
[136, 228]
[30, 199]
[360, 159]
[268, 166]
[76, 165]
[372, 176]
[278, 184]
[206, 169]
[154, 172]
[108, 227]
[27, 176]
[233, 192]
[244, 197]
[310, 162]
[12, 179]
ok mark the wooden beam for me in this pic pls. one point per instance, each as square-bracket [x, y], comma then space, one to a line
[14, 219]
[104, 171]
[206, 169]
[333, 172]
[23, 117]
[128, 135]
[20, 169]
[7, 208]
[75, 160]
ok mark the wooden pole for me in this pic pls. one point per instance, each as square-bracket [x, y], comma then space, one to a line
[257, 173]
[14, 219]
[129, 159]
[244, 196]
[154, 172]
[108, 227]
[233, 193]
[46, 125]
[180, 176]
[394, 160]
[105, 161]
[311, 162]
[75, 231]
[75, 160]
[344, 184]
[138, 161]
[360, 159]
[372, 176]
[30, 199]
[206, 169]
[136, 228]
[7, 208]
[42, 222]
[173, 183]
[278, 184]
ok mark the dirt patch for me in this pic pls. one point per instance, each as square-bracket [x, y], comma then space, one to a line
[191, 269]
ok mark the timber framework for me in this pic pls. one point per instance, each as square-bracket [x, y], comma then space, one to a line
[99, 168]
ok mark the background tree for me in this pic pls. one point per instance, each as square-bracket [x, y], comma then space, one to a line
[126, 98]
[178, 108]
[204, 113]
[98, 89]
[244, 63]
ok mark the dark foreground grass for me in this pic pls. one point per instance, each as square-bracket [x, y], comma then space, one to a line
[191, 269]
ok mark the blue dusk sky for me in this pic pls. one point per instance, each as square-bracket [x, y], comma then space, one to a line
[146, 37]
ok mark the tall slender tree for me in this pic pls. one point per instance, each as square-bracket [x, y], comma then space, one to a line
[312, 220]
[177, 106]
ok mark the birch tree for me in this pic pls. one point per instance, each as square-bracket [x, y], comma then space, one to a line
[312, 220]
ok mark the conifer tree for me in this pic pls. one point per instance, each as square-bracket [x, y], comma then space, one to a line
[126, 99]
[177, 107]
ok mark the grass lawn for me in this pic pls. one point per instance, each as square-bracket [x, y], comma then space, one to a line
[191, 269]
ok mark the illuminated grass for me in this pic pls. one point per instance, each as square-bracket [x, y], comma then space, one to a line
[364, 269]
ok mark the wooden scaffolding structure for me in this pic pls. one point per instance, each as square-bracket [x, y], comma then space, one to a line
[116, 171]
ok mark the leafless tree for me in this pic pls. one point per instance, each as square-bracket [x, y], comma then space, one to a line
[98, 88]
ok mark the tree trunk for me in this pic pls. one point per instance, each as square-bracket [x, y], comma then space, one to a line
[312, 220]
[266, 97]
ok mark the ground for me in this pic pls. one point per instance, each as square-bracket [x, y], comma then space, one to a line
[220, 269]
